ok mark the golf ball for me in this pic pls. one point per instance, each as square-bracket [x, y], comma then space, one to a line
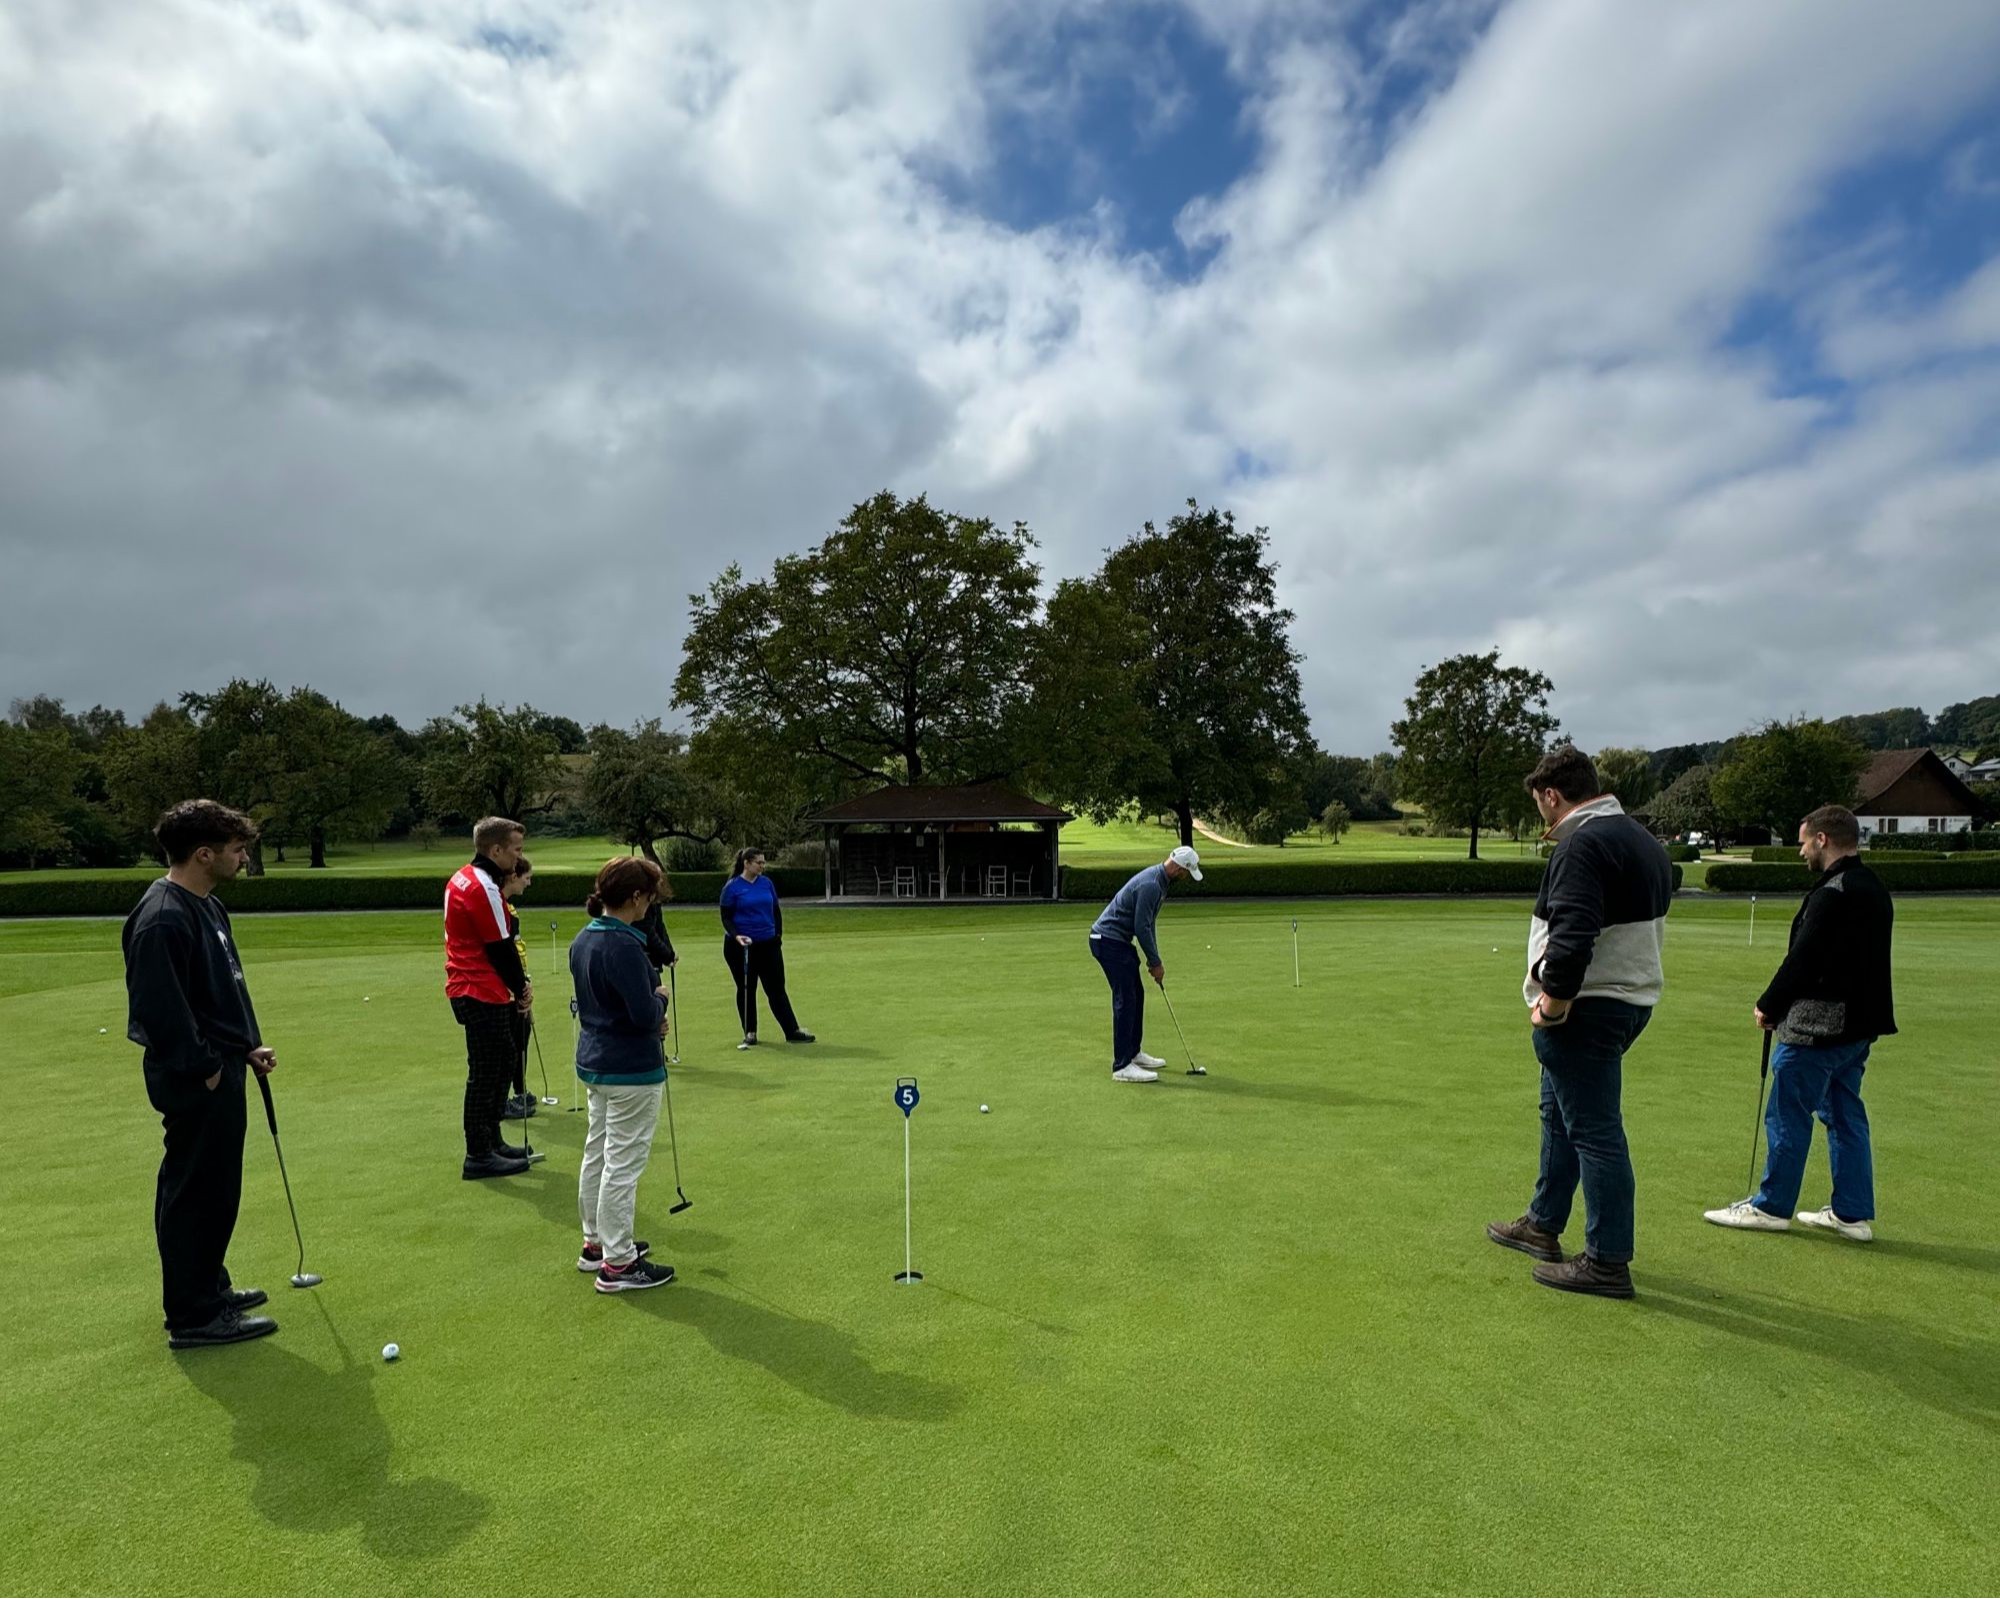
[391, 1351]
[983, 1109]
[1496, 949]
[365, 998]
[104, 1029]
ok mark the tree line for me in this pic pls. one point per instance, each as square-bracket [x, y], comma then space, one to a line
[911, 645]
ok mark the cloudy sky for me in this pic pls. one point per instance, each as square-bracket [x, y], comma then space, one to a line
[426, 349]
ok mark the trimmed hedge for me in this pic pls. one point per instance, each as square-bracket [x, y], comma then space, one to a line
[1935, 843]
[353, 891]
[1904, 877]
[1683, 853]
[1771, 854]
[1301, 879]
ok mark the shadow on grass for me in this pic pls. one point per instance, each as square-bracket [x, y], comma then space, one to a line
[1966, 1257]
[323, 1452]
[818, 1360]
[554, 1195]
[1054, 1328]
[1957, 1377]
[1288, 1093]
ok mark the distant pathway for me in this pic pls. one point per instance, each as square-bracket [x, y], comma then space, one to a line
[1217, 838]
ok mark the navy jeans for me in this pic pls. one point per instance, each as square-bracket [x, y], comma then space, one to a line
[1825, 1081]
[1583, 1130]
[1128, 997]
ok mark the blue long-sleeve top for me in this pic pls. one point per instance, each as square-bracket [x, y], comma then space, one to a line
[1134, 910]
[617, 1011]
[750, 910]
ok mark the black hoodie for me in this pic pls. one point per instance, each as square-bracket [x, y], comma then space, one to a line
[188, 1006]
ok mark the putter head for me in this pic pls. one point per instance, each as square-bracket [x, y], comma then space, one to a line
[550, 1099]
[307, 1279]
[685, 1204]
[1197, 1071]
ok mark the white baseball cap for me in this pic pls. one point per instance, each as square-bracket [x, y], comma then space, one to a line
[1187, 860]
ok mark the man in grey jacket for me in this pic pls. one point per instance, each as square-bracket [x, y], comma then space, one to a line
[1133, 912]
[1594, 977]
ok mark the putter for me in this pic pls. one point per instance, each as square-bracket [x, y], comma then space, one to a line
[747, 995]
[673, 1143]
[674, 1013]
[574, 1107]
[1193, 1070]
[542, 1061]
[528, 1150]
[300, 1278]
[1763, 1072]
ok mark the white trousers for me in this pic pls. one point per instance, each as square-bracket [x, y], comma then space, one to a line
[615, 1151]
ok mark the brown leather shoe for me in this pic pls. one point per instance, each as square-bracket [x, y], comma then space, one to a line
[1525, 1236]
[1583, 1275]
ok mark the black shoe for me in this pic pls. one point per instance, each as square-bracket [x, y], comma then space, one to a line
[230, 1327]
[492, 1165]
[236, 1299]
[640, 1273]
[800, 1037]
[519, 1108]
[507, 1151]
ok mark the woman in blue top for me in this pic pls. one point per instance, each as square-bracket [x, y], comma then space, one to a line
[621, 1012]
[753, 947]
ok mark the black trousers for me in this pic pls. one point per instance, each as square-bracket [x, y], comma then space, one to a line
[761, 962]
[199, 1190]
[490, 1059]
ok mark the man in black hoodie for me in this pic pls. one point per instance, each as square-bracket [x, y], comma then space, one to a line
[189, 1010]
[1827, 1005]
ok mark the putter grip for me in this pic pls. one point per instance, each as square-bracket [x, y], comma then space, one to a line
[1764, 1065]
[270, 1110]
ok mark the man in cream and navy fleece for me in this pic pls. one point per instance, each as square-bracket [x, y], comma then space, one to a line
[1594, 976]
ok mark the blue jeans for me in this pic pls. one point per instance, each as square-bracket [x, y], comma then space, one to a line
[1822, 1081]
[1583, 1130]
[1128, 997]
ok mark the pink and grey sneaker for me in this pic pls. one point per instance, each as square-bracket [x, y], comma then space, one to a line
[593, 1254]
[638, 1273]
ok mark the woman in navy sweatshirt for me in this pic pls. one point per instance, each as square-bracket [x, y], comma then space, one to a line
[753, 947]
[622, 1014]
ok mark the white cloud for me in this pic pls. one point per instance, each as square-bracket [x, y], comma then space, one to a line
[426, 349]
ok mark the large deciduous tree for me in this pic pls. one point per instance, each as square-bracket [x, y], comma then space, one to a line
[488, 760]
[1471, 731]
[38, 772]
[1169, 678]
[892, 651]
[641, 786]
[1628, 774]
[1687, 805]
[1783, 770]
[335, 778]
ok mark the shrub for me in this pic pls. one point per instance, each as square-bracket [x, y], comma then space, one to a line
[327, 891]
[1935, 843]
[1775, 854]
[1905, 877]
[1301, 879]
[1683, 853]
[693, 855]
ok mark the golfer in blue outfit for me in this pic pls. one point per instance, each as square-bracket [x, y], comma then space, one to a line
[1132, 913]
[753, 947]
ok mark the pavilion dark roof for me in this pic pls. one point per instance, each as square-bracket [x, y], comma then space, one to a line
[972, 802]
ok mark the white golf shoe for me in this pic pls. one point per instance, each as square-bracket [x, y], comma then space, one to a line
[1745, 1214]
[1859, 1231]
[1143, 1059]
[1134, 1073]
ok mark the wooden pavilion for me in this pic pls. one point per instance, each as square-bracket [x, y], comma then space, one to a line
[978, 841]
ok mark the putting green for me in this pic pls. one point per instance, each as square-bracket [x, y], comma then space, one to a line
[1223, 1335]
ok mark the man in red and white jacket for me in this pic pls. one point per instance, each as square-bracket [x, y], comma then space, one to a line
[487, 986]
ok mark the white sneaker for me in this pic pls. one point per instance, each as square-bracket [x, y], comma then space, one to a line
[1143, 1059]
[1859, 1231]
[1134, 1073]
[1745, 1214]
